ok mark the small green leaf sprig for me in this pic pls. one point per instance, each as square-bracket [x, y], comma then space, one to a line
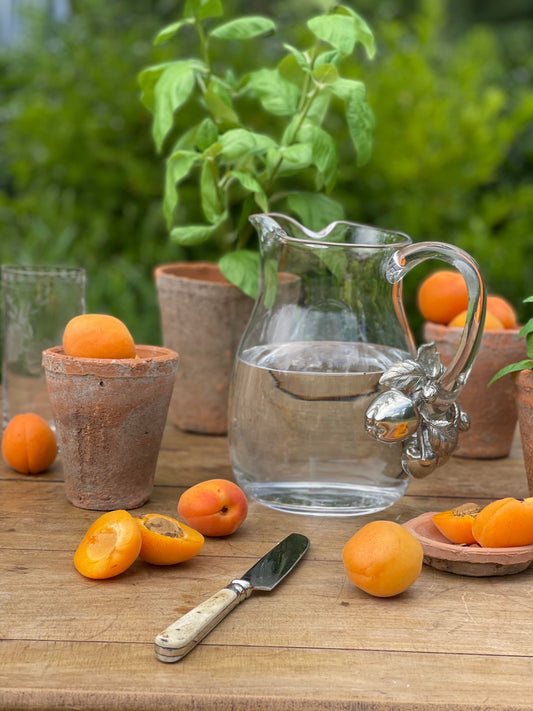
[241, 170]
[525, 332]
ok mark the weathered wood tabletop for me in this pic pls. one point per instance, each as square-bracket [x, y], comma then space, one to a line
[316, 642]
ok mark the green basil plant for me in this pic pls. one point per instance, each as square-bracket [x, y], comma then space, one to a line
[258, 140]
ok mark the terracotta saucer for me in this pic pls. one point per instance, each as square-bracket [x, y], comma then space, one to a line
[471, 560]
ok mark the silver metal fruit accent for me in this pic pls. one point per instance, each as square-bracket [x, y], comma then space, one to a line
[417, 411]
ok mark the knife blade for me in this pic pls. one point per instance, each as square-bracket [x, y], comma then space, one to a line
[179, 638]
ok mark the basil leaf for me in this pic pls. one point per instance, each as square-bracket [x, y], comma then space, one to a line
[249, 183]
[277, 95]
[315, 210]
[290, 159]
[191, 235]
[325, 74]
[211, 206]
[238, 143]
[171, 91]
[178, 167]
[364, 33]
[359, 116]
[243, 28]
[206, 134]
[219, 103]
[203, 8]
[147, 79]
[335, 30]
[171, 30]
[241, 268]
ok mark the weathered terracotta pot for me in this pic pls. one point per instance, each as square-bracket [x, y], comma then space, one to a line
[492, 411]
[523, 382]
[110, 416]
[203, 317]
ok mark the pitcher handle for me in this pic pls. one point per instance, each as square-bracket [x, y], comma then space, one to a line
[418, 406]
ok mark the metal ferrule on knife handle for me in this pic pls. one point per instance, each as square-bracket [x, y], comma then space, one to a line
[183, 635]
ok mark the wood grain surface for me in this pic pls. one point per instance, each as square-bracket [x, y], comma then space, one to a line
[316, 642]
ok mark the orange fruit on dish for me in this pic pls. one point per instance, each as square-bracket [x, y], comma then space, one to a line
[492, 323]
[29, 444]
[502, 309]
[504, 523]
[456, 524]
[98, 336]
[166, 541]
[383, 558]
[110, 546]
[442, 295]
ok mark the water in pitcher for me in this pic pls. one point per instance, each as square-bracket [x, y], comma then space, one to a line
[297, 437]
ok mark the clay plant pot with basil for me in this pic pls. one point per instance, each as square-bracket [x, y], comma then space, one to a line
[242, 136]
[522, 374]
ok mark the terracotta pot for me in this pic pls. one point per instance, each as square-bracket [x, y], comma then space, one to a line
[110, 416]
[203, 317]
[492, 411]
[524, 399]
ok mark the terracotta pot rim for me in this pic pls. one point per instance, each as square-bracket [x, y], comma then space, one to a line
[458, 329]
[151, 360]
[194, 271]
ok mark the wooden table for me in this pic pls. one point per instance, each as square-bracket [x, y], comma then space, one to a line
[316, 642]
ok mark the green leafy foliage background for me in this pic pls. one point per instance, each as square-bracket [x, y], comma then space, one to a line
[450, 87]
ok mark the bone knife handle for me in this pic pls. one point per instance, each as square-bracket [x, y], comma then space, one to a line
[180, 637]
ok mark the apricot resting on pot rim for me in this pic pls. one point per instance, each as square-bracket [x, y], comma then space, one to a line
[383, 558]
[109, 547]
[166, 541]
[505, 523]
[29, 444]
[98, 336]
[456, 524]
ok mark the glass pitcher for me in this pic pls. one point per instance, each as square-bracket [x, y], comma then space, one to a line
[332, 409]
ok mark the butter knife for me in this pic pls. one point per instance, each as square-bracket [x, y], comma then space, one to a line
[179, 638]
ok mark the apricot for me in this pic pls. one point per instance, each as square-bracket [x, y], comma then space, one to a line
[29, 444]
[98, 336]
[492, 322]
[166, 541]
[110, 546]
[504, 523]
[456, 524]
[502, 309]
[442, 295]
[383, 558]
[215, 507]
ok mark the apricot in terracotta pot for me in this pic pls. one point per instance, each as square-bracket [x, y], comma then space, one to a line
[505, 523]
[492, 322]
[383, 558]
[215, 507]
[166, 541]
[503, 310]
[442, 295]
[98, 336]
[456, 524]
[29, 444]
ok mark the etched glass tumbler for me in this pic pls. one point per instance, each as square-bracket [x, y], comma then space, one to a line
[37, 303]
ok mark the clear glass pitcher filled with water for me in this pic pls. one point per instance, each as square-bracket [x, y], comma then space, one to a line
[332, 408]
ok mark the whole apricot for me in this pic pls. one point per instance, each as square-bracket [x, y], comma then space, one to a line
[29, 444]
[503, 310]
[442, 295]
[98, 336]
[492, 322]
[383, 558]
[504, 523]
[215, 507]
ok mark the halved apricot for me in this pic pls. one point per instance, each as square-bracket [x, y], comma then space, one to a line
[109, 547]
[505, 523]
[456, 524]
[166, 541]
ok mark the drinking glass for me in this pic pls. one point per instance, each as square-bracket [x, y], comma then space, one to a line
[37, 303]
